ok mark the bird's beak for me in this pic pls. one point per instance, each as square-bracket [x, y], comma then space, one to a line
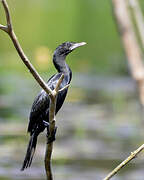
[76, 45]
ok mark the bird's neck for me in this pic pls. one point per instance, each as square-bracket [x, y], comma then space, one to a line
[61, 65]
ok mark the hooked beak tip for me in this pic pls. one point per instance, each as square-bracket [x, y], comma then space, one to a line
[83, 43]
[76, 45]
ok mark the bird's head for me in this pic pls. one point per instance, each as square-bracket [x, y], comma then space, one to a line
[65, 48]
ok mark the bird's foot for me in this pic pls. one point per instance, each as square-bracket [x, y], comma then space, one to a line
[51, 137]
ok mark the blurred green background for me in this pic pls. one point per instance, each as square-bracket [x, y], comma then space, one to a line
[46, 24]
[101, 121]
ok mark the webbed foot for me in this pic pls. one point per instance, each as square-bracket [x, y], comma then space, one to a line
[51, 137]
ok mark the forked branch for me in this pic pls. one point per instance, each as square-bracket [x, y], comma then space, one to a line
[4, 28]
[52, 93]
[52, 120]
[7, 13]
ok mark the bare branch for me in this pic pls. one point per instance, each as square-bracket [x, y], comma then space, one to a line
[125, 162]
[48, 155]
[3, 28]
[59, 83]
[64, 88]
[52, 120]
[52, 94]
[7, 13]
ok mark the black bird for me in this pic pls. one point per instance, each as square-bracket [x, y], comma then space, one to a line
[39, 115]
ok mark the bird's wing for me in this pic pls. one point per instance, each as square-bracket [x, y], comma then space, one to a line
[41, 104]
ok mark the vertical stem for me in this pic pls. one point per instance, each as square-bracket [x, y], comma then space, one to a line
[49, 146]
[52, 93]
[52, 120]
[48, 155]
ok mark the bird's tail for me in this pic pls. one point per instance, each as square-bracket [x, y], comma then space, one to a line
[30, 151]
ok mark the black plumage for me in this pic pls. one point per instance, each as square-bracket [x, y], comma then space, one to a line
[40, 109]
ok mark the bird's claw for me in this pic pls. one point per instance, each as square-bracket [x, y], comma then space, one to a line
[51, 137]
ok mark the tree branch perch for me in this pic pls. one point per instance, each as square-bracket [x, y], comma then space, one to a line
[52, 93]
[7, 13]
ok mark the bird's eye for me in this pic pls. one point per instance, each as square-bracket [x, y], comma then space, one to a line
[64, 51]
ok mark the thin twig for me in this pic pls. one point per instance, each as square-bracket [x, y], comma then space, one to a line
[59, 83]
[7, 13]
[64, 88]
[125, 162]
[4, 28]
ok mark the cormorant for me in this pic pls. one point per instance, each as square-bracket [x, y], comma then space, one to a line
[39, 115]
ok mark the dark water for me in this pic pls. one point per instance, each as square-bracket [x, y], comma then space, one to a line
[100, 124]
